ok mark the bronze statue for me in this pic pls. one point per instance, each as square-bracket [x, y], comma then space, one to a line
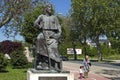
[47, 41]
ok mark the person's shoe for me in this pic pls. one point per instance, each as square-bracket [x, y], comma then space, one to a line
[83, 77]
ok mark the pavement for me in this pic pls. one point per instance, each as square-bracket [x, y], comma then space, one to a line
[96, 72]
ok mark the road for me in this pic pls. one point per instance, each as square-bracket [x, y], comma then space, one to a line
[109, 70]
[110, 64]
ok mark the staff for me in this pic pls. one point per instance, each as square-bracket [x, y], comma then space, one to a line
[49, 61]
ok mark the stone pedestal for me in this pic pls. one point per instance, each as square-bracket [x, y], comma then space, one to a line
[32, 75]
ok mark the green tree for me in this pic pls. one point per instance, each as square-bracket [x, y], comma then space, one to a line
[65, 40]
[95, 17]
[11, 14]
[10, 9]
[80, 28]
[28, 30]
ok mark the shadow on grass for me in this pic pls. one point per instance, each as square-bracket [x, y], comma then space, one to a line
[4, 71]
[25, 71]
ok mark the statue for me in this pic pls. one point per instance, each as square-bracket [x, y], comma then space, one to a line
[47, 57]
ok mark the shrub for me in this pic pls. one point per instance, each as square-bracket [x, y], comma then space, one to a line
[7, 46]
[18, 59]
[30, 65]
[3, 62]
[91, 51]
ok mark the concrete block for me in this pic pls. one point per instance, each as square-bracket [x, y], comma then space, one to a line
[49, 76]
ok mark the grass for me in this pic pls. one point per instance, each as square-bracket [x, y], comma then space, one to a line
[14, 74]
[21, 74]
[114, 57]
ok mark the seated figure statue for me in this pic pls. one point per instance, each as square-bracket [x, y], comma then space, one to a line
[47, 55]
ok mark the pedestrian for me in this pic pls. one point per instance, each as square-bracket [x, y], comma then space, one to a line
[86, 64]
[81, 72]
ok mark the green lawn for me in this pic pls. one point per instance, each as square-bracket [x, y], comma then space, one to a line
[14, 74]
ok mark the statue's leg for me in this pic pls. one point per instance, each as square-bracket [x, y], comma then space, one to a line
[55, 65]
[54, 55]
[38, 56]
[42, 60]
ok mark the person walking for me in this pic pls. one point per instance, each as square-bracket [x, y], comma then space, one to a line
[86, 64]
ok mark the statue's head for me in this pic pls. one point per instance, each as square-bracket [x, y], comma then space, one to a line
[48, 9]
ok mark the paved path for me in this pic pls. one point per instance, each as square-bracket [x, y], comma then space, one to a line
[94, 74]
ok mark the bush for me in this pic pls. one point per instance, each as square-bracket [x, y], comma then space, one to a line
[18, 59]
[7, 46]
[63, 48]
[30, 65]
[3, 62]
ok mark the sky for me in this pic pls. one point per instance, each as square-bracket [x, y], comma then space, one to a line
[61, 7]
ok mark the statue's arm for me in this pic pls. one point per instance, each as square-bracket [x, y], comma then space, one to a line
[58, 34]
[38, 22]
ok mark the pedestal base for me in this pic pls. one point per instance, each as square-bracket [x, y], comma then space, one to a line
[49, 76]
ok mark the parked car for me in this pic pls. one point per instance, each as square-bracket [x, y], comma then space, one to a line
[64, 58]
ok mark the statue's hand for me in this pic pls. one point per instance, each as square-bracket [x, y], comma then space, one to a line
[49, 41]
[40, 24]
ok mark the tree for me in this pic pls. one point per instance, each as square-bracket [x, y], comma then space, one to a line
[12, 9]
[65, 40]
[28, 30]
[80, 28]
[11, 14]
[95, 17]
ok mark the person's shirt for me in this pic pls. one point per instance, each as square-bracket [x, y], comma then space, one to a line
[86, 65]
[80, 70]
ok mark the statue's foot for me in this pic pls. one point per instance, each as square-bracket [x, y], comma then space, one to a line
[39, 67]
[42, 68]
[46, 68]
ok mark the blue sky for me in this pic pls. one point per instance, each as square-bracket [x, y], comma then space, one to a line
[61, 6]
